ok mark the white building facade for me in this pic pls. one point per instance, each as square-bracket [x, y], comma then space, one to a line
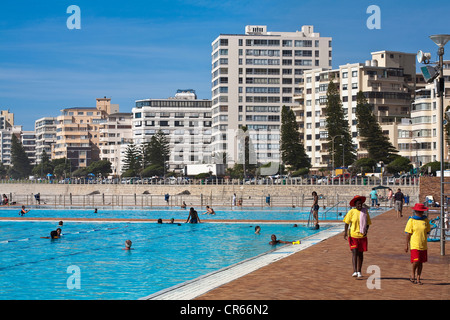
[185, 120]
[253, 76]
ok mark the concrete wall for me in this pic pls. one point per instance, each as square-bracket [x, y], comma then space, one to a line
[432, 186]
[215, 190]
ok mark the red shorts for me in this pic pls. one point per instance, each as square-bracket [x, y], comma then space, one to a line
[418, 255]
[358, 243]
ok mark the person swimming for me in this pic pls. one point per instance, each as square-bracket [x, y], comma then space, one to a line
[128, 244]
[209, 210]
[55, 234]
[23, 211]
[275, 241]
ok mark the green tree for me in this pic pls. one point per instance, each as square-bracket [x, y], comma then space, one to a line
[377, 144]
[338, 129]
[157, 151]
[399, 164]
[435, 166]
[21, 167]
[132, 163]
[102, 167]
[62, 167]
[44, 167]
[292, 150]
[363, 166]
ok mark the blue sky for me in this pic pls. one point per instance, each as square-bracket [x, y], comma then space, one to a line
[136, 49]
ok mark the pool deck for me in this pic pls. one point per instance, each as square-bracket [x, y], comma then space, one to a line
[323, 271]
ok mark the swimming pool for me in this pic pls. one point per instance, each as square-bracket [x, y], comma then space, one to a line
[90, 256]
[166, 213]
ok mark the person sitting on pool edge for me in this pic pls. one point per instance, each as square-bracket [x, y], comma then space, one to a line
[275, 241]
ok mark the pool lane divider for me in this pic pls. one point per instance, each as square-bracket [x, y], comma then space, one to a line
[193, 288]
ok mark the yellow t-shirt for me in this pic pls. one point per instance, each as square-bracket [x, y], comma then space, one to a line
[418, 230]
[352, 218]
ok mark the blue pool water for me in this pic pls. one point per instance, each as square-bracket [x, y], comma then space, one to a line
[163, 255]
[166, 213]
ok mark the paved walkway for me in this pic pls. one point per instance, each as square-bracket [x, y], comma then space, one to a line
[324, 270]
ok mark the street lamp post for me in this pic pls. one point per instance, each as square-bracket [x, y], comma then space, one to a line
[441, 40]
[332, 140]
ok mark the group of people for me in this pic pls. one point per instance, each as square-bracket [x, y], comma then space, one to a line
[357, 222]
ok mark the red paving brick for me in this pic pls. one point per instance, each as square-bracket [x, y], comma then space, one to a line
[324, 270]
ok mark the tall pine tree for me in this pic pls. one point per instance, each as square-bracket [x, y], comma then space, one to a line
[376, 143]
[157, 151]
[292, 150]
[132, 162]
[21, 166]
[338, 129]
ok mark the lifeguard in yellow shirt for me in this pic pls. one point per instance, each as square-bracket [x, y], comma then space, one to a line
[417, 228]
[358, 220]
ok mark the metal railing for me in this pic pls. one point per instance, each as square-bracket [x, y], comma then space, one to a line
[370, 181]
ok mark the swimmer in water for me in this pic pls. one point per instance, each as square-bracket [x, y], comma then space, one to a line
[275, 241]
[55, 234]
[193, 216]
[128, 244]
[257, 229]
[23, 211]
[209, 210]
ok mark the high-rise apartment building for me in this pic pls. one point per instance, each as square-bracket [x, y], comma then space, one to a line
[253, 76]
[184, 119]
[388, 82]
[115, 136]
[418, 136]
[6, 119]
[45, 131]
[78, 132]
[28, 140]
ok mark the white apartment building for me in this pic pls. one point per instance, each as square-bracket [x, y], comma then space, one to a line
[115, 136]
[5, 141]
[418, 137]
[253, 76]
[184, 119]
[28, 140]
[388, 81]
[45, 131]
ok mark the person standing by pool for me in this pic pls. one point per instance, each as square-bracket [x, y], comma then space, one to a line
[315, 209]
[399, 198]
[359, 220]
[374, 197]
[193, 216]
[417, 228]
[390, 197]
[166, 198]
[268, 200]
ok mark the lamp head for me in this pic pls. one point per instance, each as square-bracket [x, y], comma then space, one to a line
[440, 39]
[423, 57]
